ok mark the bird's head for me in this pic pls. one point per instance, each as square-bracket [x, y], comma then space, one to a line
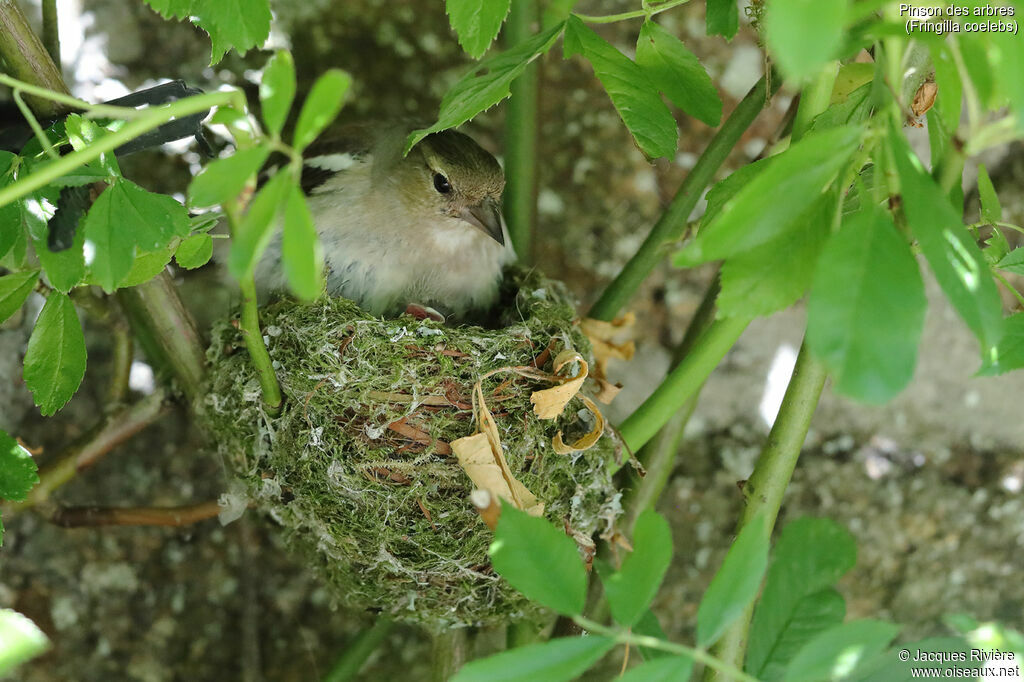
[454, 176]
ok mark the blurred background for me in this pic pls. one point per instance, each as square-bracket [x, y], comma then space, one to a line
[931, 485]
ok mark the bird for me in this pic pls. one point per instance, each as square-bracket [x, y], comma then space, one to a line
[420, 233]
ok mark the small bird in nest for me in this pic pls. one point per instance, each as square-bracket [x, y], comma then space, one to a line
[421, 234]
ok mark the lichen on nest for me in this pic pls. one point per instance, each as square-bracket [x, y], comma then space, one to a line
[358, 469]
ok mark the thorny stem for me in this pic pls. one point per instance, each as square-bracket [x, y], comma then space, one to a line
[520, 200]
[670, 227]
[174, 517]
[632, 639]
[648, 11]
[351, 661]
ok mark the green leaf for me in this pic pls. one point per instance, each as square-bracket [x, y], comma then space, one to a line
[194, 252]
[257, 227]
[64, 269]
[486, 84]
[1006, 54]
[839, 650]
[635, 97]
[55, 358]
[797, 602]
[540, 561]
[775, 274]
[20, 640]
[855, 108]
[322, 105]
[1008, 354]
[477, 22]
[14, 289]
[557, 660]
[954, 257]
[866, 311]
[649, 626]
[277, 90]
[238, 24]
[631, 589]
[996, 247]
[804, 34]
[975, 59]
[886, 666]
[949, 98]
[301, 251]
[146, 266]
[669, 669]
[736, 583]
[991, 210]
[722, 18]
[725, 189]
[18, 471]
[82, 133]
[754, 215]
[1013, 261]
[677, 73]
[14, 258]
[224, 179]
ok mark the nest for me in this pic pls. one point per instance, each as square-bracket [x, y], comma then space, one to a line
[359, 470]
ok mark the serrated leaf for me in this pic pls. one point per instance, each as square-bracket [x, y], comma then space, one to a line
[477, 22]
[14, 289]
[257, 227]
[954, 257]
[301, 251]
[797, 600]
[55, 358]
[736, 583]
[866, 310]
[146, 266]
[18, 471]
[82, 133]
[722, 18]
[195, 251]
[631, 589]
[1013, 261]
[64, 269]
[224, 179]
[557, 660]
[540, 561]
[991, 210]
[677, 73]
[804, 34]
[754, 215]
[232, 24]
[635, 97]
[486, 84]
[855, 108]
[775, 274]
[322, 105]
[277, 90]
[20, 640]
[669, 669]
[1008, 354]
[840, 648]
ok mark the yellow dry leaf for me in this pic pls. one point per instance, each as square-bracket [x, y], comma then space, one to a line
[550, 402]
[584, 442]
[483, 460]
[601, 335]
[606, 390]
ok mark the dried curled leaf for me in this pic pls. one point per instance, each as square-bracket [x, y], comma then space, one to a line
[550, 402]
[584, 442]
[483, 460]
[602, 337]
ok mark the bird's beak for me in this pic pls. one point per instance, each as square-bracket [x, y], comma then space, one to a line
[486, 217]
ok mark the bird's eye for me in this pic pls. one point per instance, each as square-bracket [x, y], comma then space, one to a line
[441, 184]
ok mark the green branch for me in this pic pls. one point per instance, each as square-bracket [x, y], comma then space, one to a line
[250, 326]
[520, 200]
[351, 661]
[670, 227]
[91, 110]
[648, 11]
[51, 32]
[25, 58]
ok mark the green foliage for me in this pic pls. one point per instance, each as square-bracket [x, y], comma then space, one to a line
[866, 311]
[558, 660]
[677, 73]
[277, 90]
[736, 583]
[193, 252]
[798, 601]
[722, 18]
[231, 24]
[804, 34]
[631, 589]
[301, 252]
[631, 91]
[321, 106]
[14, 289]
[55, 358]
[222, 180]
[257, 228]
[667, 669]
[838, 651]
[477, 22]
[18, 473]
[540, 561]
[1008, 354]
[991, 210]
[20, 640]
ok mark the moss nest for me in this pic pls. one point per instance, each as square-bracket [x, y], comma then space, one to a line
[358, 469]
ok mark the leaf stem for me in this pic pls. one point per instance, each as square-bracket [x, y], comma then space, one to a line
[670, 227]
[1010, 287]
[699, 655]
[647, 11]
[351, 661]
[520, 201]
[250, 326]
[37, 129]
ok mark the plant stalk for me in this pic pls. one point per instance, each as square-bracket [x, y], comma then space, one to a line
[51, 32]
[520, 200]
[351, 661]
[670, 227]
[25, 58]
[449, 654]
[250, 326]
